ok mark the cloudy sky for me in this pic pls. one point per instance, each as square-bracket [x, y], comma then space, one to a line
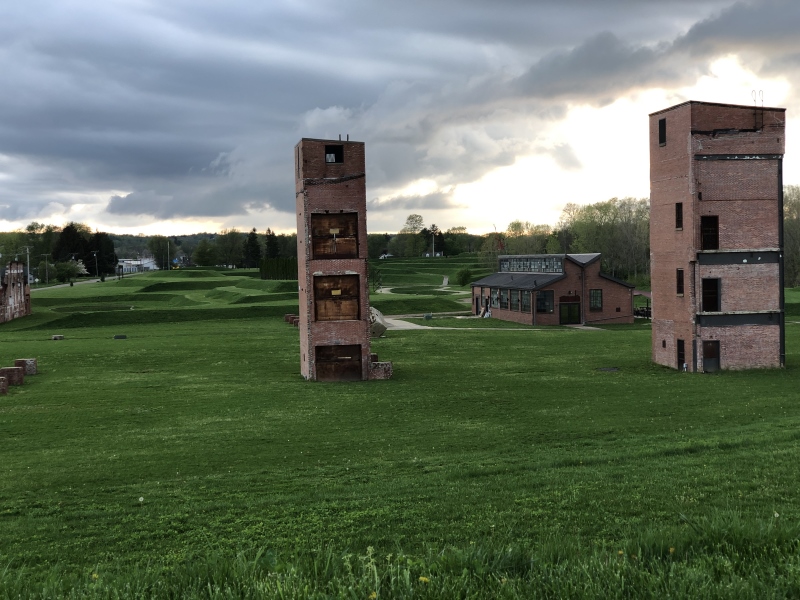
[179, 116]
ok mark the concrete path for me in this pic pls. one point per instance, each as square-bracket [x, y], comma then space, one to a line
[63, 285]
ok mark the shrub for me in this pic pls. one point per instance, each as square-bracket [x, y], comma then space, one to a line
[464, 277]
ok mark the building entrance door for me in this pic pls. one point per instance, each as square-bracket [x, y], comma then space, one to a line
[569, 313]
[710, 356]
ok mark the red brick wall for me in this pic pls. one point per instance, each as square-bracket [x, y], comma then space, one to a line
[744, 346]
[743, 224]
[737, 179]
[749, 287]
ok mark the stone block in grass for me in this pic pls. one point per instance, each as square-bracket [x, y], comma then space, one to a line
[13, 375]
[30, 365]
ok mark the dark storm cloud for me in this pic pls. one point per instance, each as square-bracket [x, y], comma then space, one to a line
[432, 201]
[191, 109]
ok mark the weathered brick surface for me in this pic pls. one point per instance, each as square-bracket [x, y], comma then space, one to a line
[14, 375]
[577, 282]
[745, 346]
[380, 370]
[745, 287]
[330, 188]
[744, 195]
[30, 365]
[742, 224]
[15, 292]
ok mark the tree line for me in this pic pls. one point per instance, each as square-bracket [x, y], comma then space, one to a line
[618, 228]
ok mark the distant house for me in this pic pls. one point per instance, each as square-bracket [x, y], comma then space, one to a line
[553, 289]
[15, 291]
[136, 265]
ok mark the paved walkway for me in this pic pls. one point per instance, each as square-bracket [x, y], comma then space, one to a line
[396, 323]
[63, 285]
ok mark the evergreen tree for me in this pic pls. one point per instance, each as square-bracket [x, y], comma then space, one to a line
[272, 249]
[252, 250]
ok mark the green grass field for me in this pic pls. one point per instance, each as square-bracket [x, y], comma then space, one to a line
[192, 460]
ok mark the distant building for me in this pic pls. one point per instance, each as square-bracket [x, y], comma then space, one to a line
[553, 289]
[716, 236]
[136, 265]
[15, 292]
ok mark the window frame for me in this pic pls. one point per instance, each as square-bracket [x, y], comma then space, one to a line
[709, 232]
[545, 302]
[525, 302]
[679, 216]
[679, 282]
[711, 289]
[336, 151]
[596, 299]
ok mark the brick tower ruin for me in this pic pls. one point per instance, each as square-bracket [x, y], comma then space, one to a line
[716, 236]
[334, 324]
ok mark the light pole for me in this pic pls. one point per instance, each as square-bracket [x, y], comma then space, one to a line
[46, 269]
[96, 265]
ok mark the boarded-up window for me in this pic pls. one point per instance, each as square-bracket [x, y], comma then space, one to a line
[334, 235]
[336, 298]
[338, 363]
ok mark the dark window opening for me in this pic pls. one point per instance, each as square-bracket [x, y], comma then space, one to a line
[334, 154]
[679, 281]
[526, 302]
[700, 196]
[595, 299]
[545, 301]
[338, 363]
[514, 299]
[679, 215]
[711, 361]
[711, 295]
[662, 132]
[709, 233]
[681, 354]
[663, 343]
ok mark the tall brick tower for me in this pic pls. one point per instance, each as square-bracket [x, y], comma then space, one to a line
[332, 260]
[716, 236]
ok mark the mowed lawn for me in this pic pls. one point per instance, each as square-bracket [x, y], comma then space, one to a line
[198, 434]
